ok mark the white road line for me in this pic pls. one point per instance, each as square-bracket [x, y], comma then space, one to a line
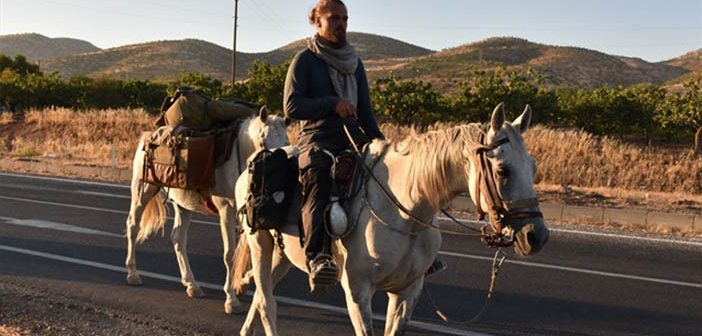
[85, 207]
[453, 254]
[597, 234]
[578, 270]
[283, 299]
[66, 180]
[44, 224]
[467, 221]
[101, 194]
[623, 236]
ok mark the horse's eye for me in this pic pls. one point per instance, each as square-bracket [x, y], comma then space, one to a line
[502, 171]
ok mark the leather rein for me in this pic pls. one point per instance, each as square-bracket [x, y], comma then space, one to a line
[498, 210]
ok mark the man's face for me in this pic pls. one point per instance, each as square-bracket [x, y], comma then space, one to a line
[331, 23]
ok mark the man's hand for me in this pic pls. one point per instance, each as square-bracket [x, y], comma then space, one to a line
[345, 109]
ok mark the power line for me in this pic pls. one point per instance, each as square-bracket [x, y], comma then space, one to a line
[125, 14]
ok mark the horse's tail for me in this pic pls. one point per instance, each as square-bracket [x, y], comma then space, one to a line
[153, 218]
[242, 264]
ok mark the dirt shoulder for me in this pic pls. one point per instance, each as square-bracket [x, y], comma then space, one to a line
[25, 310]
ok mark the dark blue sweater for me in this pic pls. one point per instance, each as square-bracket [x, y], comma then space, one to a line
[309, 96]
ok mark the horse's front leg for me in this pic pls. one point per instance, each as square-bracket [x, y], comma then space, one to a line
[400, 307]
[358, 302]
[227, 225]
[179, 237]
[261, 245]
[142, 194]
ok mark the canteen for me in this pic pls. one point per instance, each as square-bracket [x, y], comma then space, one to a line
[336, 220]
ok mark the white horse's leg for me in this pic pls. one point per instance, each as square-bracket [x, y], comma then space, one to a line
[400, 308]
[358, 303]
[179, 237]
[136, 209]
[261, 245]
[280, 267]
[227, 225]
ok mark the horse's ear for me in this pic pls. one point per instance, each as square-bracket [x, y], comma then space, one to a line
[522, 122]
[498, 117]
[263, 113]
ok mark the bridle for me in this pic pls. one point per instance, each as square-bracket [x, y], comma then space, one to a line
[499, 210]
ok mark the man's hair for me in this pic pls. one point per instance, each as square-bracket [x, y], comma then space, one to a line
[316, 11]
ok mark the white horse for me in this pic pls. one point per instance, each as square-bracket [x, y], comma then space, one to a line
[147, 213]
[392, 245]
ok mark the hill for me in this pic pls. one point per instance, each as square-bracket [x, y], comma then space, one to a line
[383, 56]
[691, 61]
[39, 47]
[169, 59]
[159, 60]
[567, 66]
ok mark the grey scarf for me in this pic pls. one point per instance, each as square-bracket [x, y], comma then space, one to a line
[342, 64]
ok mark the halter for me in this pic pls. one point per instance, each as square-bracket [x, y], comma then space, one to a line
[499, 209]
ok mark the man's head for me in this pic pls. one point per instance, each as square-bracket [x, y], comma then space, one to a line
[330, 18]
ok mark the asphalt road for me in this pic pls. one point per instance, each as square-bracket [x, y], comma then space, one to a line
[67, 235]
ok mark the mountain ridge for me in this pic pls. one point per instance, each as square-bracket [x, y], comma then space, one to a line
[383, 56]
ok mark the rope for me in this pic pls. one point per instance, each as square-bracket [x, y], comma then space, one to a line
[496, 264]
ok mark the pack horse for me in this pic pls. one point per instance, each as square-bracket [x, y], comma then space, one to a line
[147, 212]
[393, 241]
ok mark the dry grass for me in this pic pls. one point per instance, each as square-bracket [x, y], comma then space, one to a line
[5, 118]
[565, 157]
[568, 157]
[9, 331]
[85, 137]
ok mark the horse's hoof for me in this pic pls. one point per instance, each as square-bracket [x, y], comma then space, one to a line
[195, 292]
[134, 280]
[230, 309]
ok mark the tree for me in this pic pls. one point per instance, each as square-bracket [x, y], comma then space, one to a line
[263, 87]
[194, 80]
[486, 89]
[407, 102]
[19, 65]
[684, 109]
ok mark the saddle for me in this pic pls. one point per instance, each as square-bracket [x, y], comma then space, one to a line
[347, 175]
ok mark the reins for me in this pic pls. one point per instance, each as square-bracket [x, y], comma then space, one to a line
[399, 205]
[499, 209]
[497, 261]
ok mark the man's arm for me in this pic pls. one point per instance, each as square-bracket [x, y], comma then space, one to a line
[296, 102]
[366, 117]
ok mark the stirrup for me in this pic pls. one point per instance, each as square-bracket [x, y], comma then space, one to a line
[436, 267]
[323, 273]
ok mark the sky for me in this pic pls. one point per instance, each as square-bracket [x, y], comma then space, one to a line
[654, 30]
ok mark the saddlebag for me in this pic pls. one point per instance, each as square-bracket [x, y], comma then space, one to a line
[179, 158]
[273, 178]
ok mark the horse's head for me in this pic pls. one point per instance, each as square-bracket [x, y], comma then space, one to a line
[501, 182]
[266, 131]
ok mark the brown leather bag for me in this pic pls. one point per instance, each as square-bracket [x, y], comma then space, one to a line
[179, 158]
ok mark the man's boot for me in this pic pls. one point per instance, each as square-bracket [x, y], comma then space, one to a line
[323, 273]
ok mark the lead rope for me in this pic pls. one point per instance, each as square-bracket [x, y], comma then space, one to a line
[497, 261]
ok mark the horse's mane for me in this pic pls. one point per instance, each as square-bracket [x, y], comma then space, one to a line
[435, 155]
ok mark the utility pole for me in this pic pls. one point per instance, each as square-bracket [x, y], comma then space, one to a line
[236, 17]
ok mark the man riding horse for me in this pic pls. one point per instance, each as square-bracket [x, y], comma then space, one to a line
[326, 87]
